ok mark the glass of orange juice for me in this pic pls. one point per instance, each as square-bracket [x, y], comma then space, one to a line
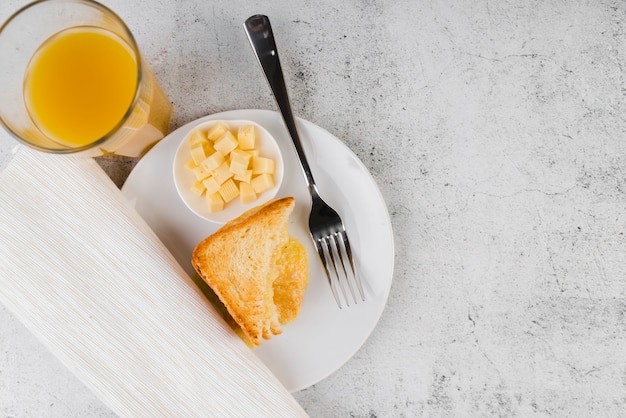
[72, 80]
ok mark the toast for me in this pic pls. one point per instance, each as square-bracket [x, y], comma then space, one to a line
[258, 272]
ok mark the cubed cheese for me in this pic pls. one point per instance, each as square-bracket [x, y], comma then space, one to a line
[229, 191]
[222, 173]
[197, 137]
[262, 182]
[227, 164]
[246, 193]
[226, 143]
[247, 137]
[208, 148]
[238, 166]
[198, 154]
[190, 164]
[253, 152]
[245, 178]
[239, 154]
[213, 161]
[197, 188]
[262, 165]
[211, 185]
[216, 131]
[201, 173]
[214, 201]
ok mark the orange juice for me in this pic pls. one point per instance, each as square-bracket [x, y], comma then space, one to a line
[80, 84]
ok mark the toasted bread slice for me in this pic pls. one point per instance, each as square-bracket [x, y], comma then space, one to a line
[292, 278]
[239, 263]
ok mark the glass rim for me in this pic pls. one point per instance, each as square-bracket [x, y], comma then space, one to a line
[132, 43]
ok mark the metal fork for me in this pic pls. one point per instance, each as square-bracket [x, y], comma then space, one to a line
[327, 230]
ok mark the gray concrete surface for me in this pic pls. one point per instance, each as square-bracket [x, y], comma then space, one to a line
[496, 133]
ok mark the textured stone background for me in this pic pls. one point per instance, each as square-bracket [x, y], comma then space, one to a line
[496, 132]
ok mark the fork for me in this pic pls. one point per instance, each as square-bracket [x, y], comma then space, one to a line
[327, 230]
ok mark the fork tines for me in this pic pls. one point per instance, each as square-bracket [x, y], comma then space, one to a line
[336, 255]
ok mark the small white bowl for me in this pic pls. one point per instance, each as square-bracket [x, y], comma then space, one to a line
[184, 177]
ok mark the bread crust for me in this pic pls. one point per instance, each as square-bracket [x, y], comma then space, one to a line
[238, 262]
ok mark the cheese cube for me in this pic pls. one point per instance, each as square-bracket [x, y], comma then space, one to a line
[201, 173]
[211, 185]
[197, 188]
[213, 161]
[228, 191]
[198, 153]
[214, 201]
[222, 173]
[216, 131]
[262, 183]
[252, 152]
[240, 154]
[262, 165]
[197, 137]
[208, 148]
[247, 137]
[238, 165]
[246, 193]
[226, 143]
[245, 178]
[190, 164]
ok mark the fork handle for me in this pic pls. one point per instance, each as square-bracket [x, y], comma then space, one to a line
[261, 38]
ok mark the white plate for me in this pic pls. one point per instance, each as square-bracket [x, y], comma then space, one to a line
[184, 178]
[323, 337]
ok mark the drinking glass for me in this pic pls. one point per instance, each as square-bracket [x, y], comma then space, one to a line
[104, 100]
